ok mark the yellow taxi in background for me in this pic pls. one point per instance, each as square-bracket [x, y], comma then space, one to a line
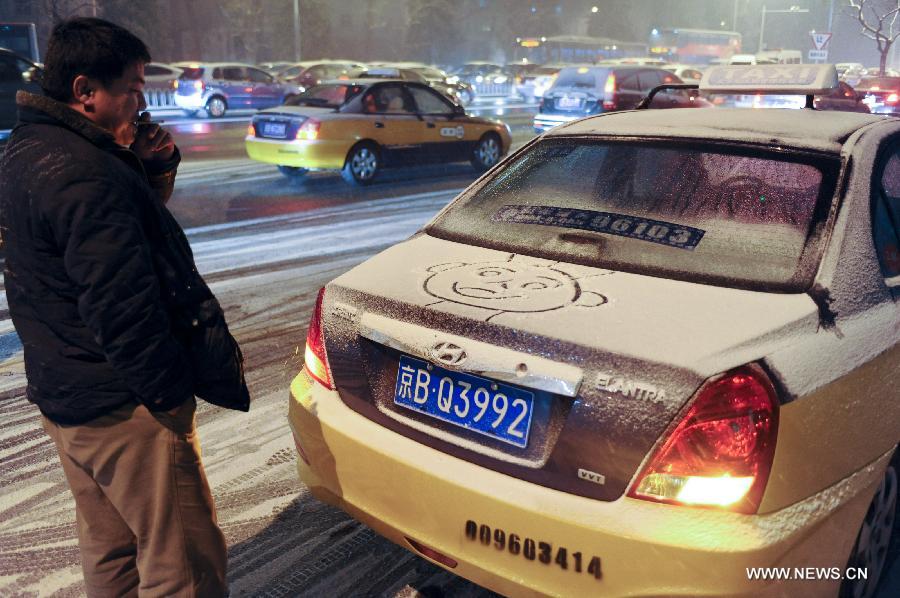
[361, 126]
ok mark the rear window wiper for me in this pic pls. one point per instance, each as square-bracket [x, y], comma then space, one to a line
[645, 103]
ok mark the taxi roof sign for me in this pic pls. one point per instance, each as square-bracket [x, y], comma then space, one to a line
[781, 79]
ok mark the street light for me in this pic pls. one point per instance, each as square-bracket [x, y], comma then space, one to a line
[297, 30]
[762, 26]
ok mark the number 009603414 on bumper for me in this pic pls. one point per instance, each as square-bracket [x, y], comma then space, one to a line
[484, 406]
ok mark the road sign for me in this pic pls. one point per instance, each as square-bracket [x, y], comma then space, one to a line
[818, 55]
[820, 40]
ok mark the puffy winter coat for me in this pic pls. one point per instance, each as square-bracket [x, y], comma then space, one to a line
[100, 279]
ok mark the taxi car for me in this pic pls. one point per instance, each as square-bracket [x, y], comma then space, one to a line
[650, 354]
[363, 125]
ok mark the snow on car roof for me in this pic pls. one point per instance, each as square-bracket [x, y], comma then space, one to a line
[807, 129]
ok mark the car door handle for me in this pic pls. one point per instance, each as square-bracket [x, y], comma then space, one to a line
[379, 125]
[429, 125]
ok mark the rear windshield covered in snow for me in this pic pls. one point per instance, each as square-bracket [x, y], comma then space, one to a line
[731, 216]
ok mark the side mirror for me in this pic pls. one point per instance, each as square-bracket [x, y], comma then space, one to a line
[458, 110]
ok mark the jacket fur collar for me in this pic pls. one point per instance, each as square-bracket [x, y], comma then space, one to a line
[31, 103]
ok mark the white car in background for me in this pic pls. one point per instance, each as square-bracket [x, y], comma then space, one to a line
[161, 81]
[689, 73]
[531, 86]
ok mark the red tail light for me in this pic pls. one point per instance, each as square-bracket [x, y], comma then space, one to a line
[720, 453]
[433, 554]
[199, 85]
[309, 129]
[891, 99]
[251, 130]
[609, 104]
[315, 359]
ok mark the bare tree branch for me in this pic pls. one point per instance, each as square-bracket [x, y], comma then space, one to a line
[867, 14]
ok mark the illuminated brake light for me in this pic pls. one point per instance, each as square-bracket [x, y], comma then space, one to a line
[721, 451]
[892, 99]
[251, 130]
[198, 85]
[309, 129]
[315, 359]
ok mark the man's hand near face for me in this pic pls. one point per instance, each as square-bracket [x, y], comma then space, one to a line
[152, 143]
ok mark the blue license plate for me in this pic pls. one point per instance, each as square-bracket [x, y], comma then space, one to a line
[497, 410]
[278, 130]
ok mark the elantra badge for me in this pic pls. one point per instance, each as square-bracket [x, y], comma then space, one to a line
[448, 353]
[629, 388]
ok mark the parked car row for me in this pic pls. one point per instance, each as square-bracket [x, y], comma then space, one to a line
[215, 88]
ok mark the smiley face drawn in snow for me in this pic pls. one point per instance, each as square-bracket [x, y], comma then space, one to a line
[512, 285]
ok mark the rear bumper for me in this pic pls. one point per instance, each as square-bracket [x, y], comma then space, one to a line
[884, 109]
[190, 102]
[318, 153]
[405, 490]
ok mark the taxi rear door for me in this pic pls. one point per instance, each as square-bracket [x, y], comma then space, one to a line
[445, 137]
[397, 127]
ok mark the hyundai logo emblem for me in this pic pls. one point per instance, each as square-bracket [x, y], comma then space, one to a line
[448, 353]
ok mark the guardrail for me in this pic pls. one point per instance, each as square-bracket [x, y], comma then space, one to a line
[160, 98]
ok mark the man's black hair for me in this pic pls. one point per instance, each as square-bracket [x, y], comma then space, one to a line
[91, 47]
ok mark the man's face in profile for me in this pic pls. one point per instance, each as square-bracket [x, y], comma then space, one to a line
[116, 106]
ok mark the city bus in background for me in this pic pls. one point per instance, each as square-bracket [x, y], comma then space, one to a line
[21, 38]
[574, 49]
[694, 46]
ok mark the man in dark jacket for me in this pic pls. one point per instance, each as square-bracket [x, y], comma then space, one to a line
[119, 330]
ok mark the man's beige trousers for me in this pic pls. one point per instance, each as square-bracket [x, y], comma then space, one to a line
[146, 520]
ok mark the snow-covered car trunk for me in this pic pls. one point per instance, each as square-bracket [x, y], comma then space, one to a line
[611, 357]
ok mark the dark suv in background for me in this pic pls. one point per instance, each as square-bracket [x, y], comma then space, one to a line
[16, 72]
[584, 90]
